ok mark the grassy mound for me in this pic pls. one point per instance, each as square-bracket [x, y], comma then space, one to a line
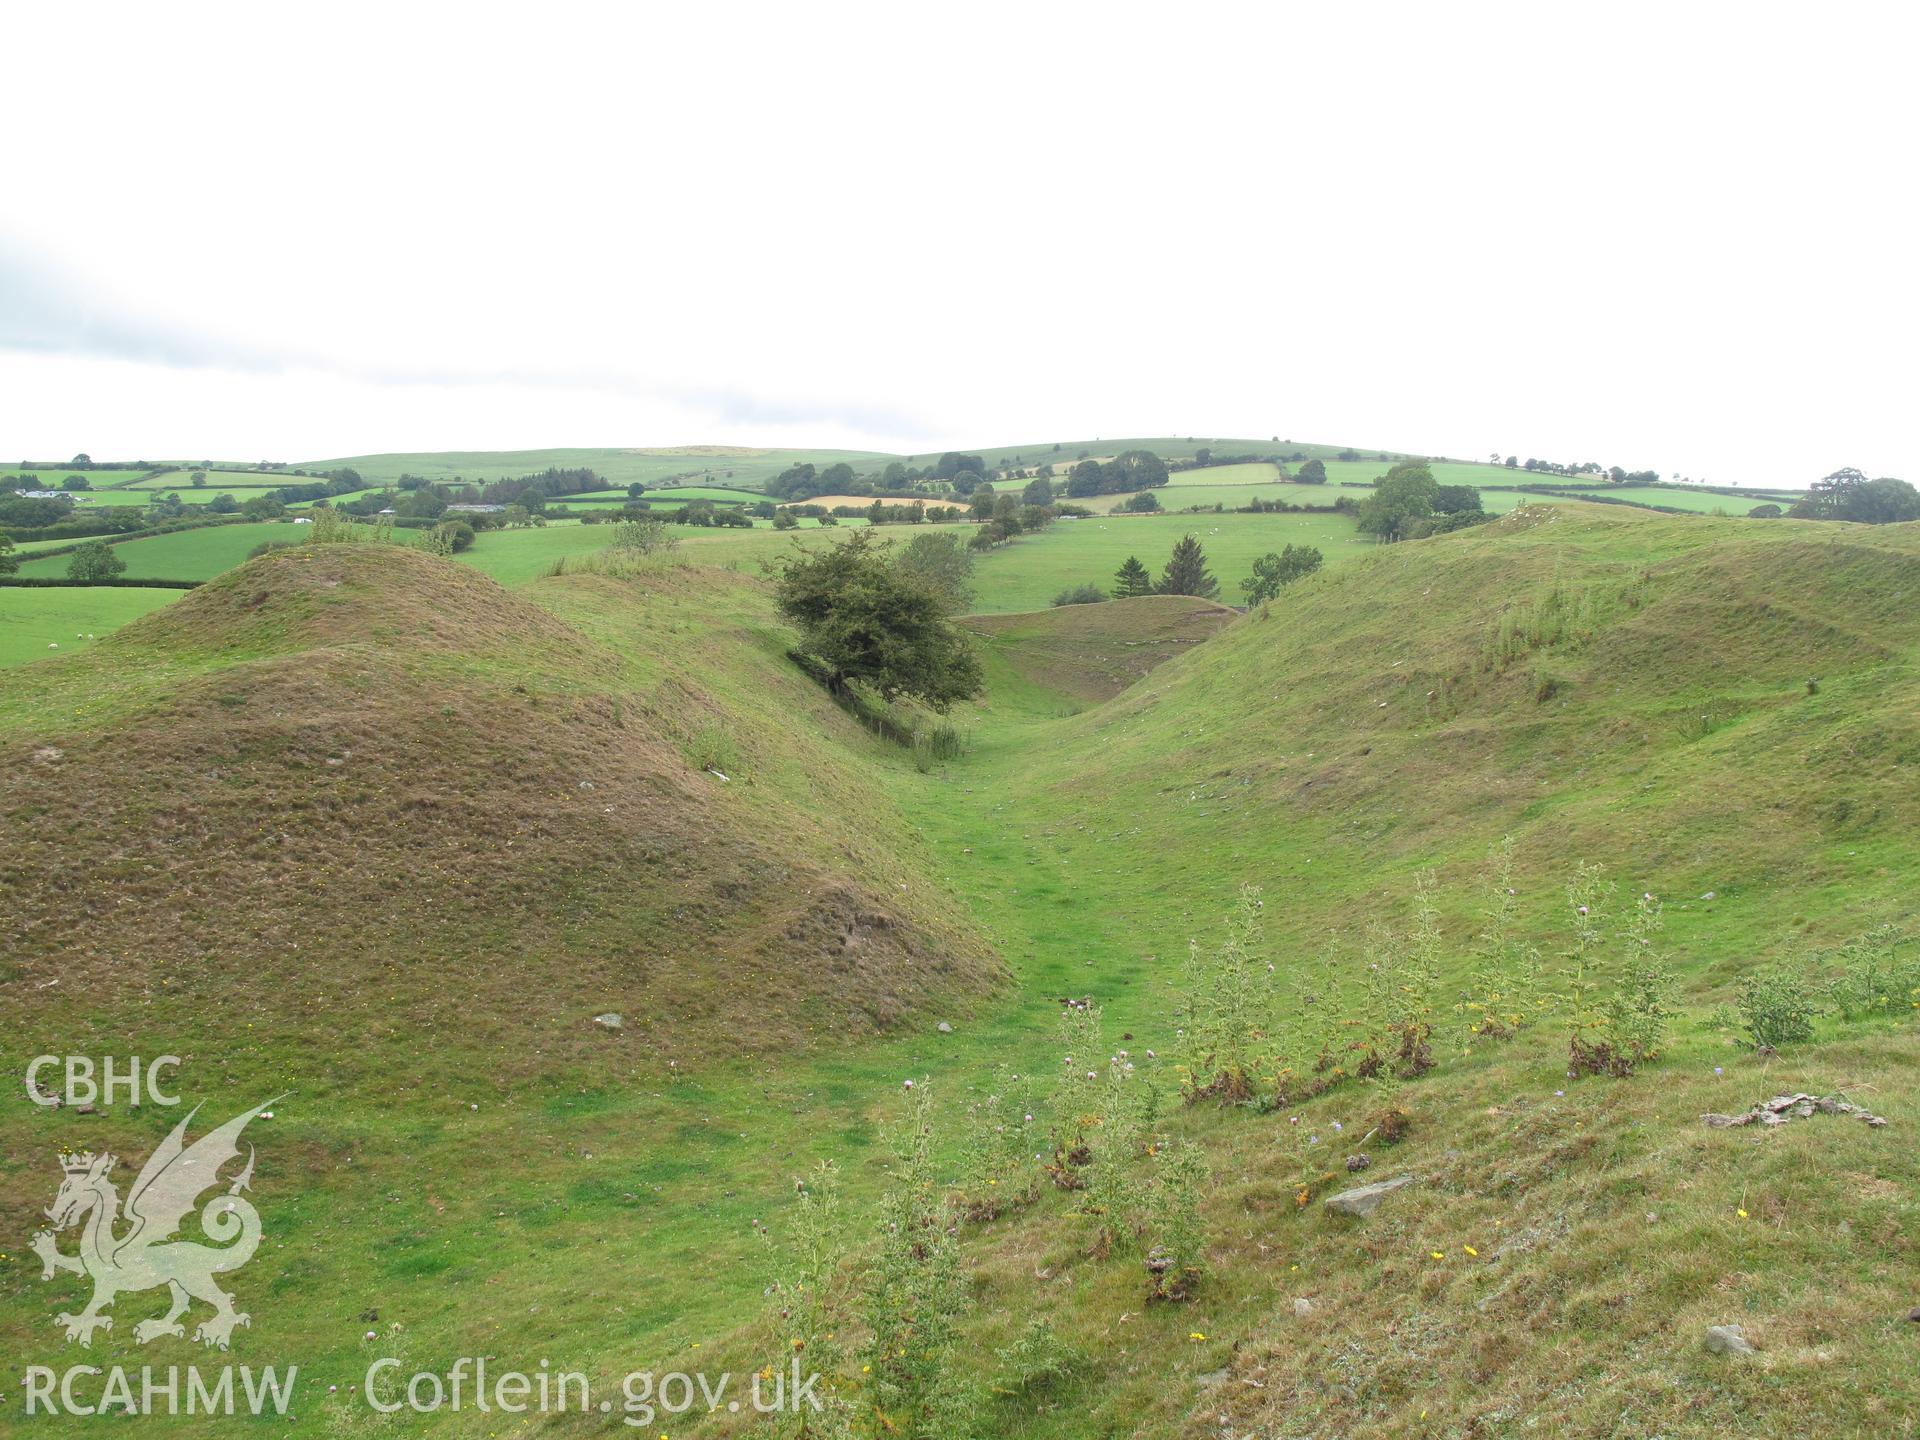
[383, 812]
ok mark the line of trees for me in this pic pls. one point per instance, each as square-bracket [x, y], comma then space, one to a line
[1612, 473]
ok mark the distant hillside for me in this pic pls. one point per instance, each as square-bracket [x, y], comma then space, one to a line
[752, 468]
[695, 464]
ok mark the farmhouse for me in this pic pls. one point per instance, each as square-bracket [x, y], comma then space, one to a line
[46, 495]
[474, 510]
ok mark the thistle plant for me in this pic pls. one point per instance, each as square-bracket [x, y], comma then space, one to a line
[1037, 1360]
[1224, 1026]
[996, 1167]
[1119, 1138]
[1879, 974]
[1076, 1098]
[1503, 989]
[1176, 1258]
[1398, 978]
[1640, 1007]
[1583, 972]
[1420, 975]
[1311, 1157]
[1313, 1032]
[915, 1295]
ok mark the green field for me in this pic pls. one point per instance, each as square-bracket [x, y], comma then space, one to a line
[677, 495]
[750, 469]
[183, 555]
[1062, 455]
[1180, 497]
[703, 492]
[56, 477]
[350, 495]
[1700, 502]
[235, 480]
[32, 620]
[84, 500]
[1213, 475]
[1027, 574]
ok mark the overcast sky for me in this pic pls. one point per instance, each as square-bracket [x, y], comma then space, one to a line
[1674, 236]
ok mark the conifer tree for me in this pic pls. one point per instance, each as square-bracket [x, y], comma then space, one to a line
[1132, 580]
[1186, 572]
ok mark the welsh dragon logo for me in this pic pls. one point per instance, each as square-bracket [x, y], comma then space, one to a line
[145, 1256]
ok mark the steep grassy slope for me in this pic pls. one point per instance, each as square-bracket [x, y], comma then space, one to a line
[521, 831]
[357, 783]
[1093, 652]
[1607, 687]
[1601, 683]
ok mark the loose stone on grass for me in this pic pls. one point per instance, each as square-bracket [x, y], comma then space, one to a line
[1362, 1199]
[1727, 1340]
[1799, 1106]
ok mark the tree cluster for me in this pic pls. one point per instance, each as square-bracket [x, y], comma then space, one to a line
[1129, 470]
[1407, 503]
[1272, 573]
[1186, 573]
[1847, 494]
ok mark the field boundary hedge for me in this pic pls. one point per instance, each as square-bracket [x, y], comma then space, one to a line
[60, 582]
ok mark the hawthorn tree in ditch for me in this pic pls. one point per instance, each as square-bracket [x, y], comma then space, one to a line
[866, 618]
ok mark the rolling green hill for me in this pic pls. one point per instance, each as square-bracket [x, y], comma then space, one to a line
[695, 464]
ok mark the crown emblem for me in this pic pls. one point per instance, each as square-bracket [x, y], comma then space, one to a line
[76, 1162]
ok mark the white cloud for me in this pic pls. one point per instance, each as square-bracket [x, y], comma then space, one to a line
[1663, 236]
